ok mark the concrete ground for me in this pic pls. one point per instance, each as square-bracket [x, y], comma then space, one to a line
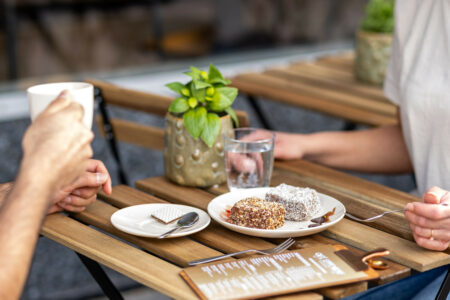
[56, 272]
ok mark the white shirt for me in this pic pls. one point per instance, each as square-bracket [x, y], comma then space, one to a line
[418, 81]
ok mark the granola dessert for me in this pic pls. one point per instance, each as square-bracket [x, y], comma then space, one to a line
[300, 203]
[257, 213]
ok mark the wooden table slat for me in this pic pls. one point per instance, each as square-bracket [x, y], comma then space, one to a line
[330, 95]
[134, 263]
[403, 251]
[163, 188]
[318, 71]
[357, 205]
[279, 93]
[394, 223]
[368, 191]
[329, 83]
[178, 251]
[175, 249]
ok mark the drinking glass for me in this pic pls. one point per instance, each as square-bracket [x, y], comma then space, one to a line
[249, 158]
[40, 96]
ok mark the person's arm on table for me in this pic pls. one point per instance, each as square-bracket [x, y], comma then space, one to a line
[375, 150]
[56, 151]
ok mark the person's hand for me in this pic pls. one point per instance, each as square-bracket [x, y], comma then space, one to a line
[288, 146]
[430, 220]
[83, 191]
[57, 145]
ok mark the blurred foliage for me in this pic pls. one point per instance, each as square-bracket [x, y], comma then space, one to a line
[379, 16]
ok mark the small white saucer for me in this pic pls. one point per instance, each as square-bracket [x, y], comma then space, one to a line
[137, 220]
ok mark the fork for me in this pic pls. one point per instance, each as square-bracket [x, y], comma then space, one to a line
[371, 219]
[280, 248]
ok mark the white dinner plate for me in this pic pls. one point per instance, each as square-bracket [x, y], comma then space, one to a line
[218, 205]
[137, 220]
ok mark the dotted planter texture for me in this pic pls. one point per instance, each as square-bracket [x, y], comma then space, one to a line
[191, 162]
[372, 55]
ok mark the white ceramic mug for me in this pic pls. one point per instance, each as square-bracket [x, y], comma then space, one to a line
[40, 96]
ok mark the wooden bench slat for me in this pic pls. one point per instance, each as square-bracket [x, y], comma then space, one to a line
[135, 133]
[331, 108]
[134, 263]
[132, 99]
[143, 101]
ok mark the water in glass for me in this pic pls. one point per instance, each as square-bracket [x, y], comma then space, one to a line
[248, 163]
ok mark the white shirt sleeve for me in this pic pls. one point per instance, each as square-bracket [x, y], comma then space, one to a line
[392, 81]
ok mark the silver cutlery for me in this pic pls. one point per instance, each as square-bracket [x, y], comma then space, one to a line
[371, 219]
[278, 249]
[185, 221]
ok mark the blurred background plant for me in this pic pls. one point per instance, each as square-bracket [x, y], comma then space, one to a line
[379, 16]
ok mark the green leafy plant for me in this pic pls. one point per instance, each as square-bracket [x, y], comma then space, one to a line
[202, 101]
[379, 16]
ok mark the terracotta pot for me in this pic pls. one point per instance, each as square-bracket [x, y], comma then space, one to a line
[372, 55]
[191, 162]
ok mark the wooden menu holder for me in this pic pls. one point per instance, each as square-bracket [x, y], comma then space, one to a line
[276, 274]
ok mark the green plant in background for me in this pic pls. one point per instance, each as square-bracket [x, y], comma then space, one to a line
[202, 101]
[379, 16]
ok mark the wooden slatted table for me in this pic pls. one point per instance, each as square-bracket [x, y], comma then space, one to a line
[157, 263]
[326, 85]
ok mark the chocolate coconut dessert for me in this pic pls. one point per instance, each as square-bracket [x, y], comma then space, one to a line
[257, 213]
[300, 203]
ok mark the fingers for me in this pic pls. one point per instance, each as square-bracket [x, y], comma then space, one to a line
[421, 221]
[54, 208]
[98, 167]
[434, 195]
[63, 100]
[437, 234]
[435, 244]
[75, 110]
[76, 204]
[89, 179]
[430, 211]
[87, 192]
[241, 163]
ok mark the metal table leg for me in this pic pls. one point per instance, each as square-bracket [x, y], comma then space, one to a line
[348, 126]
[11, 36]
[109, 135]
[101, 278]
[445, 287]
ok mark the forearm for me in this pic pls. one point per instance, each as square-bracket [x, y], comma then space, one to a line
[21, 215]
[379, 150]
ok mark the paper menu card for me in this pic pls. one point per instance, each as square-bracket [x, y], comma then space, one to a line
[275, 274]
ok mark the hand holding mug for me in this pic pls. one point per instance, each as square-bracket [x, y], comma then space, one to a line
[57, 144]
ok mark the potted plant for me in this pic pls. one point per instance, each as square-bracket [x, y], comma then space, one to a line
[373, 41]
[195, 124]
